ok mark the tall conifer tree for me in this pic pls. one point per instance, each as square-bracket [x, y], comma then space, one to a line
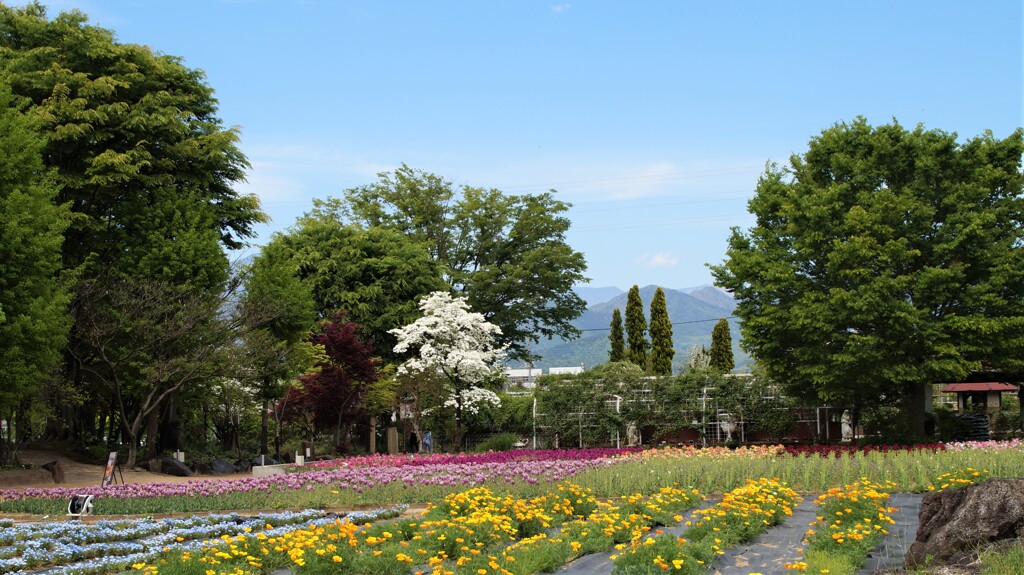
[721, 348]
[636, 328]
[618, 345]
[661, 336]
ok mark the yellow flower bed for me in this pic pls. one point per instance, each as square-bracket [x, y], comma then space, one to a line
[850, 522]
[743, 513]
[473, 531]
[717, 453]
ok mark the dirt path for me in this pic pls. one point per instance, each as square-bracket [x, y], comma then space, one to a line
[77, 474]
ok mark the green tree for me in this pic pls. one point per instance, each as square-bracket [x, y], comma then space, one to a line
[145, 340]
[506, 254]
[636, 329]
[279, 309]
[140, 157]
[617, 350]
[661, 336]
[721, 348]
[33, 299]
[375, 275]
[883, 260]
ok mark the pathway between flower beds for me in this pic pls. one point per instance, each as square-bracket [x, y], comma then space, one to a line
[768, 553]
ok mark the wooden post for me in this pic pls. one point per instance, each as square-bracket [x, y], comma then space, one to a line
[373, 434]
[392, 440]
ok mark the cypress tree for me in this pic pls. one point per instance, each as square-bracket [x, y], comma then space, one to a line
[636, 328]
[721, 348]
[618, 346]
[661, 336]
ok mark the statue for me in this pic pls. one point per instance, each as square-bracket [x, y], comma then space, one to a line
[725, 424]
[632, 435]
[847, 421]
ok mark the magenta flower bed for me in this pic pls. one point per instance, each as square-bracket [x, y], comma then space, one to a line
[445, 470]
[840, 450]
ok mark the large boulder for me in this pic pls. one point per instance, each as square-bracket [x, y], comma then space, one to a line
[168, 466]
[55, 469]
[955, 524]
[33, 477]
[221, 466]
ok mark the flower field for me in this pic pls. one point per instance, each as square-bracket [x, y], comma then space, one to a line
[516, 513]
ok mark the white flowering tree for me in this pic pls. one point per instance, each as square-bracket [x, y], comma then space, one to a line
[459, 345]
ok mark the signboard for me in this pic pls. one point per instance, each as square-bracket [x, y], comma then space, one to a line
[108, 475]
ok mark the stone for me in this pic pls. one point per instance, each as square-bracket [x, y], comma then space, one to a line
[56, 470]
[203, 468]
[955, 524]
[243, 465]
[221, 466]
[169, 466]
[35, 476]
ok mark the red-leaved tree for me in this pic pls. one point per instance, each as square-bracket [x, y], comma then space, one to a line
[333, 395]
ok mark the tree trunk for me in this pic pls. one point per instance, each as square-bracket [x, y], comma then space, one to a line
[373, 435]
[458, 423]
[152, 422]
[914, 408]
[131, 433]
[264, 426]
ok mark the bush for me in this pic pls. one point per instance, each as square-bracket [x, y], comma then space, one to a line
[499, 442]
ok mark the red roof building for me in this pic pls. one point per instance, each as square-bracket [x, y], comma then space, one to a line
[988, 394]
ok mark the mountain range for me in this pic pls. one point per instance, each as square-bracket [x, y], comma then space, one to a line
[692, 311]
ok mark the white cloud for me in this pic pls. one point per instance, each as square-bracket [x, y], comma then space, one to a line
[559, 8]
[658, 260]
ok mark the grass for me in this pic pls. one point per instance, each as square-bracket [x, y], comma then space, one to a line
[913, 472]
[1003, 561]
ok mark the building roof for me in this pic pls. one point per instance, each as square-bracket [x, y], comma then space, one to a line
[985, 386]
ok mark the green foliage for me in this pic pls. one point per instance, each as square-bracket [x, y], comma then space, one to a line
[140, 155]
[505, 253]
[33, 299]
[580, 408]
[617, 345]
[636, 328]
[721, 348]
[883, 260]
[499, 442]
[376, 275]
[661, 336]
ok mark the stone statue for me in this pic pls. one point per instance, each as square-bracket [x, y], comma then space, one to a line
[847, 421]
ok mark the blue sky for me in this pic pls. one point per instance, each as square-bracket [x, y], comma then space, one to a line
[654, 119]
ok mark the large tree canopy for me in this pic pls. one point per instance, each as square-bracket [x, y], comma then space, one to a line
[33, 302]
[139, 152]
[375, 275]
[883, 260]
[505, 254]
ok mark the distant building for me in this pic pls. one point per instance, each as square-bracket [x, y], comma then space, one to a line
[527, 377]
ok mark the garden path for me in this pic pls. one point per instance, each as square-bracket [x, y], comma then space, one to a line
[890, 552]
[769, 552]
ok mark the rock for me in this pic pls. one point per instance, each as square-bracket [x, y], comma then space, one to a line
[169, 466]
[203, 469]
[221, 466]
[55, 469]
[262, 460]
[36, 476]
[243, 465]
[955, 524]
